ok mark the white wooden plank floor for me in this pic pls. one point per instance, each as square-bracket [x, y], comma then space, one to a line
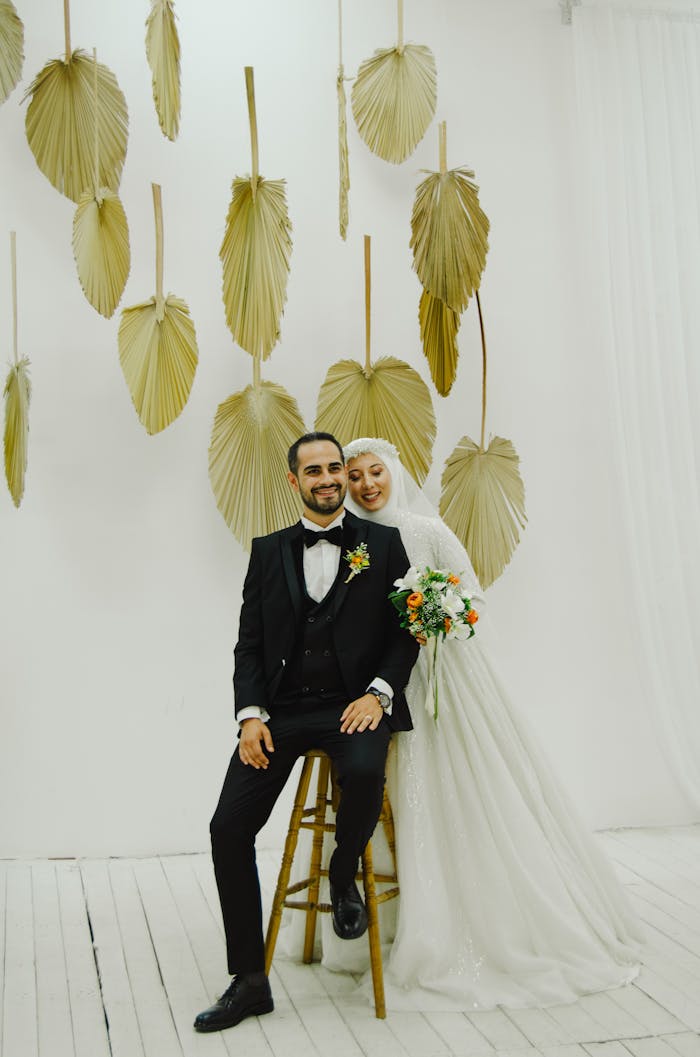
[113, 958]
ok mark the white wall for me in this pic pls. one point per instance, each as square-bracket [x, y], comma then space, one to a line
[120, 580]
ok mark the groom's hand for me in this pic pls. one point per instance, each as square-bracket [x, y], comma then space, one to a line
[363, 714]
[255, 733]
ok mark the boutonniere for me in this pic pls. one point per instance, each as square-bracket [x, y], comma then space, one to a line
[358, 560]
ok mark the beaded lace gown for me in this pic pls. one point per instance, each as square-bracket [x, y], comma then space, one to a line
[505, 897]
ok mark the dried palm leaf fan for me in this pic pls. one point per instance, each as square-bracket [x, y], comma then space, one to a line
[449, 239]
[17, 394]
[163, 53]
[254, 429]
[158, 347]
[382, 399]
[343, 159]
[101, 235]
[60, 123]
[394, 97]
[255, 252]
[483, 496]
[11, 48]
[438, 333]
[252, 433]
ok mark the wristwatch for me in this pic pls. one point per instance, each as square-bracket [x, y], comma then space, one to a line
[383, 699]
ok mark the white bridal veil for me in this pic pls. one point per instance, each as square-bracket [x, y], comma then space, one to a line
[405, 496]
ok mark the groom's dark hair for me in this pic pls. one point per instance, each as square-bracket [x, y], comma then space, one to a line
[309, 438]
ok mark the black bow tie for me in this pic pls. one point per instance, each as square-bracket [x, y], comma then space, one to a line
[334, 535]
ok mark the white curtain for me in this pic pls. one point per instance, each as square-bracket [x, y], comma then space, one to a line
[638, 87]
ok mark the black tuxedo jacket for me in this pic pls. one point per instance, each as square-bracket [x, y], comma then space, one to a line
[367, 636]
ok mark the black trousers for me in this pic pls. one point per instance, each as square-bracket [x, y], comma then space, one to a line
[247, 799]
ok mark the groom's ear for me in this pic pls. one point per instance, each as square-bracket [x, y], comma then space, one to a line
[293, 480]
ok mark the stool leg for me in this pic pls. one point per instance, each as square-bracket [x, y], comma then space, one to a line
[316, 853]
[389, 831]
[290, 844]
[375, 948]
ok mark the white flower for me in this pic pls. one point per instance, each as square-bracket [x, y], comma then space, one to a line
[452, 604]
[410, 581]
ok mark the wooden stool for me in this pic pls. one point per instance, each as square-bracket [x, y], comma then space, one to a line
[319, 826]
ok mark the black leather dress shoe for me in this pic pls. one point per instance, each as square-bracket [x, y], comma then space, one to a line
[349, 914]
[241, 999]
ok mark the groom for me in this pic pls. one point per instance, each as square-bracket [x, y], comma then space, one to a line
[321, 662]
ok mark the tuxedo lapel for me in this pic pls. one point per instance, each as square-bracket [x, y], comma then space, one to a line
[289, 543]
[355, 531]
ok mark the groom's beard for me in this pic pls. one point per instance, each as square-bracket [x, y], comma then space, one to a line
[326, 504]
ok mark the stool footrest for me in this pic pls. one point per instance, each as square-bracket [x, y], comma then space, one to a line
[313, 809]
[298, 886]
[328, 827]
[299, 904]
[392, 893]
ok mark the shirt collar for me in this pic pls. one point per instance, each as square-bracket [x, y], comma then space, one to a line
[323, 528]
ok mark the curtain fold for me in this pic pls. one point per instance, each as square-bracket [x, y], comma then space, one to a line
[638, 98]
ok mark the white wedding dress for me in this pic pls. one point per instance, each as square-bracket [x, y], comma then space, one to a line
[505, 897]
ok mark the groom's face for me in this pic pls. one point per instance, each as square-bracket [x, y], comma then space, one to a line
[320, 480]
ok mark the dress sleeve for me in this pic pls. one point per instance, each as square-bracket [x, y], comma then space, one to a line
[452, 555]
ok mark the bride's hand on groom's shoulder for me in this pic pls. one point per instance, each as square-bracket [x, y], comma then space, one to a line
[255, 734]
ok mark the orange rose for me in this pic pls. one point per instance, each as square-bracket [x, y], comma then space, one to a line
[414, 600]
[472, 616]
[452, 579]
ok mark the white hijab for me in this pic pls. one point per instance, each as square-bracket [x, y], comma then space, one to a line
[405, 496]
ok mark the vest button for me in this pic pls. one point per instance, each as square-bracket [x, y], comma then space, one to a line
[305, 689]
[329, 619]
[310, 620]
[307, 653]
[326, 653]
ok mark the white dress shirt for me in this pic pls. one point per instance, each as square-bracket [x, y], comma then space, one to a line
[321, 563]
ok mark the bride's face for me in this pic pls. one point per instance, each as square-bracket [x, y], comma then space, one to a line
[369, 481]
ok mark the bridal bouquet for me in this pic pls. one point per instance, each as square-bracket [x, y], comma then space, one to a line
[432, 608]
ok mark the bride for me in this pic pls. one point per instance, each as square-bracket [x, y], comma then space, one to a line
[505, 898]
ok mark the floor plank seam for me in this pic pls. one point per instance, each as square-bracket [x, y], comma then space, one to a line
[645, 854]
[34, 953]
[96, 959]
[4, 958]
[195, 960]
[153, 947]
[126, 962]
[65, 956]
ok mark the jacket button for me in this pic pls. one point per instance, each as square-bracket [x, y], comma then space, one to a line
[305, 689]
[310, 620]
[326, 653]
[329, 619]
[307, 653]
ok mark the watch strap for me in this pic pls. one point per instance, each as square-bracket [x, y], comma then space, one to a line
[383, 699]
